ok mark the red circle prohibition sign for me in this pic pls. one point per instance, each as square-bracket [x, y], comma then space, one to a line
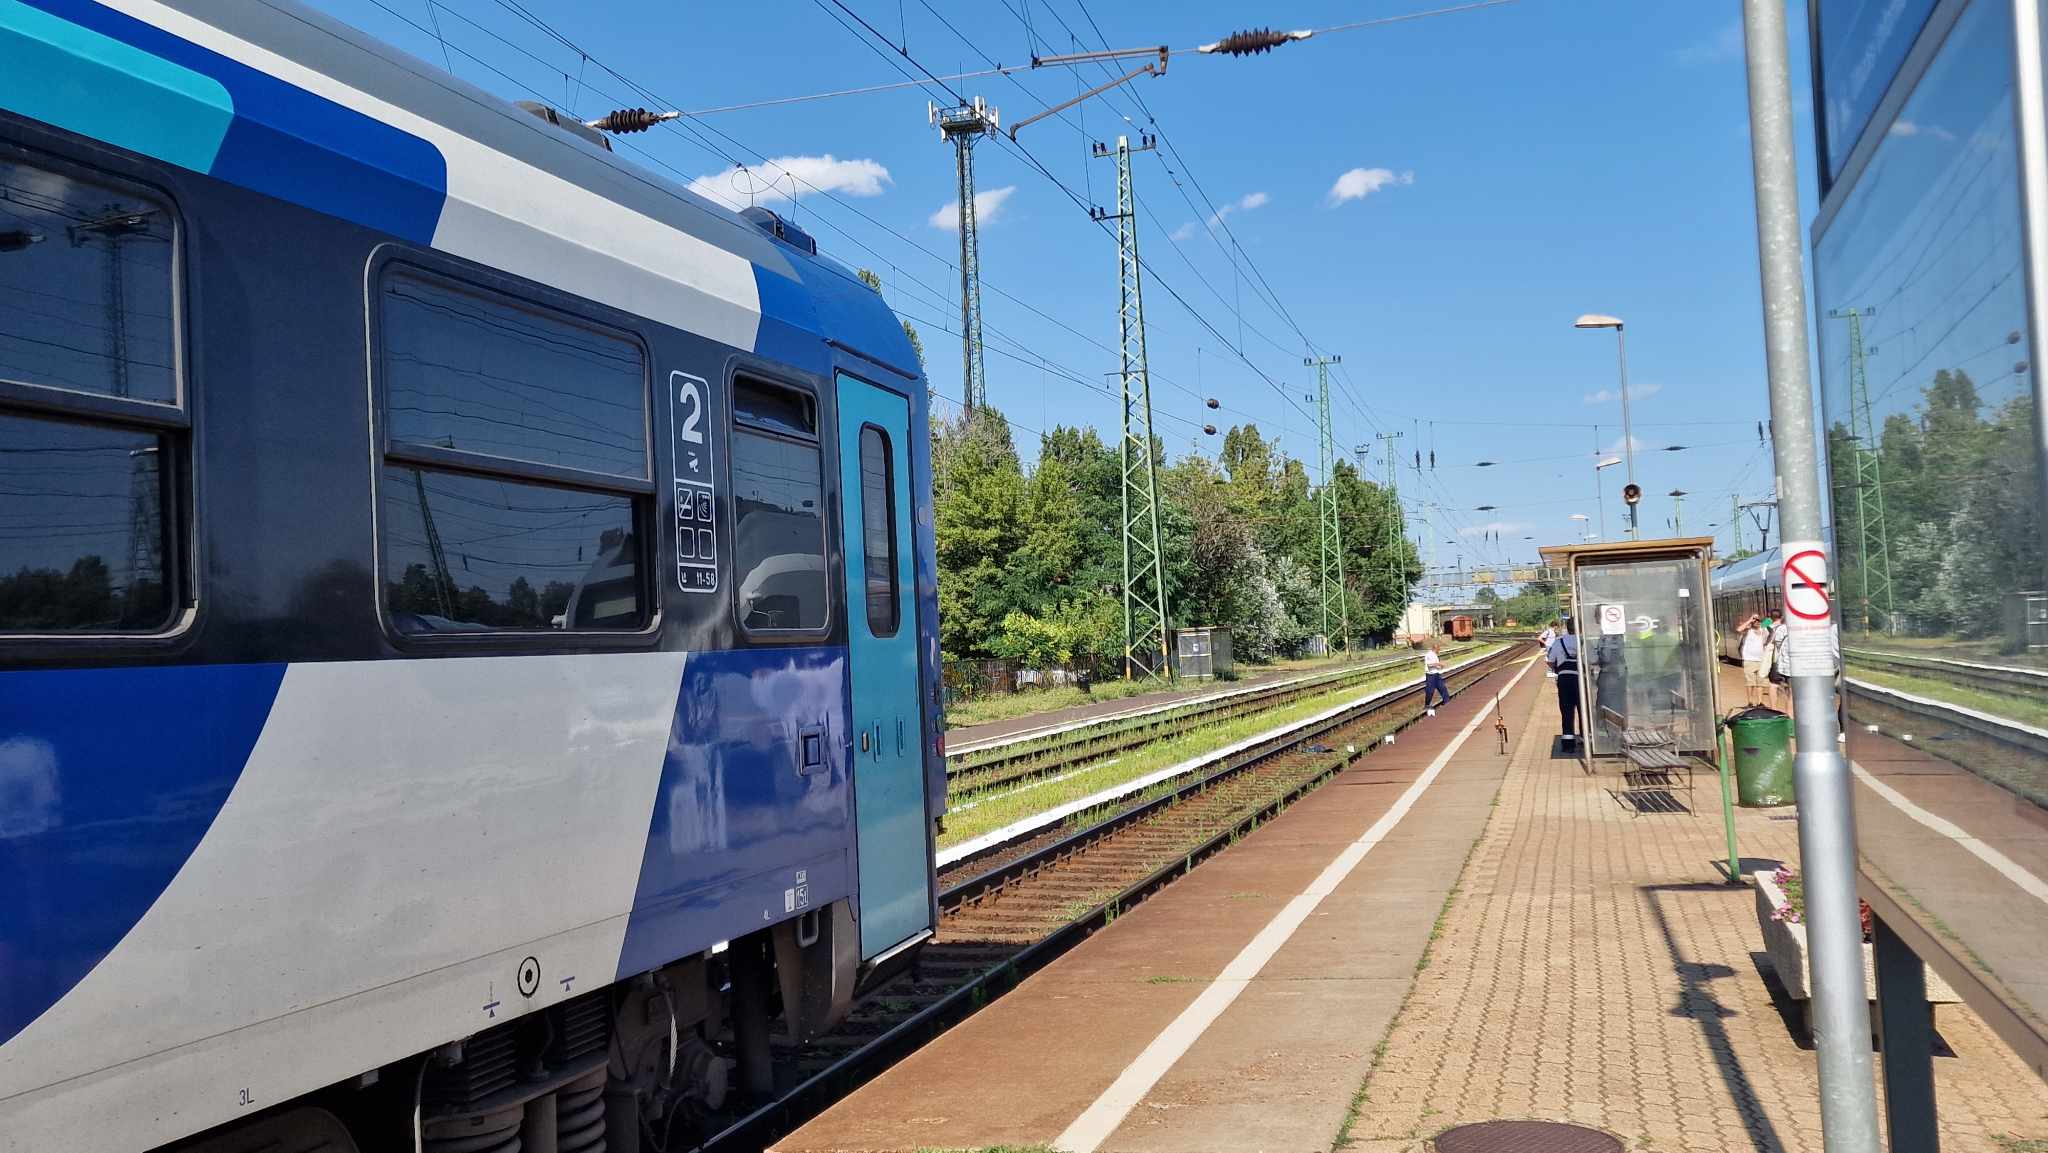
[1793, 570]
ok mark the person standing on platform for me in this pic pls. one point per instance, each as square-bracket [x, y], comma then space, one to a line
[1563, 657]
[1433, 687]
[1548, 635]
[1754, 671]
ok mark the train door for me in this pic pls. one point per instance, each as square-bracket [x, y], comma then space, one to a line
[881, 634]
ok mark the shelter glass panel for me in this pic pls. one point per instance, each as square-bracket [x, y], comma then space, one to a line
[1646, 652]
[1928, 393]
[1862, 45]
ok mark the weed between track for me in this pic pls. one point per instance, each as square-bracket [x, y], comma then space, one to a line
[2015, 706]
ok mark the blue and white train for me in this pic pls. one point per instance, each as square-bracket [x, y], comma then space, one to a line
[1742, 589]
[468, 632]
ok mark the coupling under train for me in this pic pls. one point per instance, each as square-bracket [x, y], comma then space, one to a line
[468, 630]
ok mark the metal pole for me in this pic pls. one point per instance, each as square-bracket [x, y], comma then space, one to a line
[2032, 125]
[1827, 815]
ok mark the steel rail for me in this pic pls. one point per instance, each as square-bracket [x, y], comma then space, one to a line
[820, 1090]
[1024, 761]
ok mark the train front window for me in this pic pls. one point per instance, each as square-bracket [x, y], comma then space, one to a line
[778, 500]
[82, 540]
[515, 492]
[85, 286]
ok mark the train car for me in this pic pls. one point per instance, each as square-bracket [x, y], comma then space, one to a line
[1743, 588]
[468, 633]
[1459, 627]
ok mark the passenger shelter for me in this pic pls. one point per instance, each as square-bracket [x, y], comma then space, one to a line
[1644, 616]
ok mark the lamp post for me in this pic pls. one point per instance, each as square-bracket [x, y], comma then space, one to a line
[1599, 490]
[1585, 533]
[1677, 512]
[1594, 320]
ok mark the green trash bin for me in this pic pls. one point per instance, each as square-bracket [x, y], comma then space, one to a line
[1763, 757]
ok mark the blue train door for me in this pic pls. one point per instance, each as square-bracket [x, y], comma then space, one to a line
[881, 634]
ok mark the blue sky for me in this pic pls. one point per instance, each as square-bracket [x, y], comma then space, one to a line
[1434, 200]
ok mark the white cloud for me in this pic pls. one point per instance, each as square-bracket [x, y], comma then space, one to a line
[1245, 203]
[1634, 443]
[1635, 392]
[1722, 46]
[1495, 526]
[1360, 183]
[1903, 127]
[987, 206]
[792, 177]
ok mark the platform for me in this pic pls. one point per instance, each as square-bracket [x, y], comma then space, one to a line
[1518, 944]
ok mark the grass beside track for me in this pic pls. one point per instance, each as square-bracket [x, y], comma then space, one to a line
[1028, 702]
[995, 808]
[2024, 709]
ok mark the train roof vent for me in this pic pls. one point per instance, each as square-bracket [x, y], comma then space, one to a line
[569, 124]
[768, 221]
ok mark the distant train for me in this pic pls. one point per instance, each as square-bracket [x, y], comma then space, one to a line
[1741, 589]
[468, 623]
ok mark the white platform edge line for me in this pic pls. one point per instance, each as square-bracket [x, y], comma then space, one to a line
[2006, 867]
[1032, 824]
[1102, 1118]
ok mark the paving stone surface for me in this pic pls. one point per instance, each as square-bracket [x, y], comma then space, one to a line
[1593, 968]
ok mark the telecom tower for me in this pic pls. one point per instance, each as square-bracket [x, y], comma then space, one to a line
[1145, 615]
[1329, 534]
[1872, 543]
[963, 126]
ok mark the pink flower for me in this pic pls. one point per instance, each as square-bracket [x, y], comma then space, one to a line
[1783, 875]
[1786, 914]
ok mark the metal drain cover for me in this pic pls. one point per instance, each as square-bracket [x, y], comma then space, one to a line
[1525, 1137]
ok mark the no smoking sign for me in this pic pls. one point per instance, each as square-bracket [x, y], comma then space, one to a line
[1804, 584]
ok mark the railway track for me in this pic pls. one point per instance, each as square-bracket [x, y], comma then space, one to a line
[1013, 760]
[2011, 680]
[1007, 912]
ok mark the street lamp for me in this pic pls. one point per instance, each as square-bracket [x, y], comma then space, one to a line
[1594, 320]
[1599, 490]
[1585, 533]
[1677, 511]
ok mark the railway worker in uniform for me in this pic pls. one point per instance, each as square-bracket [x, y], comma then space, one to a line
[1433, 688]
[1563, 658]
[1754, 671]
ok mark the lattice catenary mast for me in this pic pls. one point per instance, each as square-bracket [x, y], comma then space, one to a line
[962, 126]
[1329, 534]
[1145, 610]
[1872, 543]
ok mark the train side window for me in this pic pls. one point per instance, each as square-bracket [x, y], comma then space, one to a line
[778, 503]
[878, 529]
[515, 493]
[93, 428]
